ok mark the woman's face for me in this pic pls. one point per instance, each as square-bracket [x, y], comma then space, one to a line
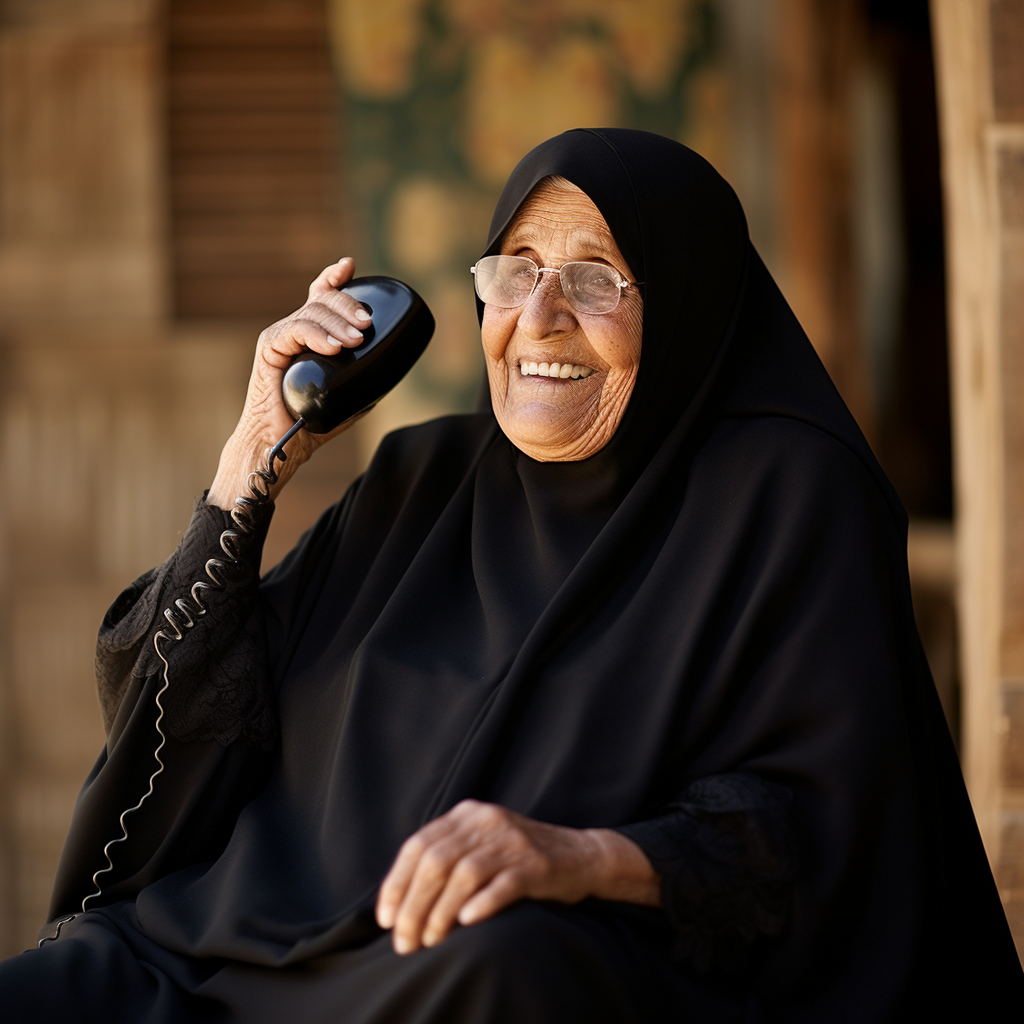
[561, 419]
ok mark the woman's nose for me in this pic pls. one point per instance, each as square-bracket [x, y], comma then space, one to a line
[546, 311]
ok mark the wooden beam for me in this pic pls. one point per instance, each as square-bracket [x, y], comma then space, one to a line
[981, 104]
[819, 45]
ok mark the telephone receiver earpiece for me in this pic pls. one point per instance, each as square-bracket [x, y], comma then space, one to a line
[325, 391]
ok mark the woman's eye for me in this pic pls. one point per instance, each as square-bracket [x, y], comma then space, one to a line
[599, 280]
[522, 273]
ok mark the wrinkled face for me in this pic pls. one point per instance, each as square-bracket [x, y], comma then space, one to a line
[556, 418]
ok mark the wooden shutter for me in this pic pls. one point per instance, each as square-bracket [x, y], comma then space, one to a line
[253, 143]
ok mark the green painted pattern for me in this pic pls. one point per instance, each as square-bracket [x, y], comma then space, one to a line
[422, 134]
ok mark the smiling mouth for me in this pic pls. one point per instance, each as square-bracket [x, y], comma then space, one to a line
[574, 371]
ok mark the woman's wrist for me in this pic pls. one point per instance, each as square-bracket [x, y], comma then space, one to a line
[237, 460]
[621, 869]
[244, 453]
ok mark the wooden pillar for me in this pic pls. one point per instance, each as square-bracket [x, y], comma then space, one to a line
[819, 47]
[979, 46]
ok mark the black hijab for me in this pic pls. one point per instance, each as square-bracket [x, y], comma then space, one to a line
[718, 335]
[722, 589]
[683, 234]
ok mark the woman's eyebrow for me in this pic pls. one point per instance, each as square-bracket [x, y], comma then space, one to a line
[581, 238]
[586, 239]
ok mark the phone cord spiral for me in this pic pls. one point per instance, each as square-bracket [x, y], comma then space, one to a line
[185, 613]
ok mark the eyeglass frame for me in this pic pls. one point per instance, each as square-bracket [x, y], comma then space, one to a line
[621, 285]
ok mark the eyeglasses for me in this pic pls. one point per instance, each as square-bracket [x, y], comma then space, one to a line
[508, 281]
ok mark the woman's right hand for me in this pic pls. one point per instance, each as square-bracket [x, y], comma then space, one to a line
[328, 321]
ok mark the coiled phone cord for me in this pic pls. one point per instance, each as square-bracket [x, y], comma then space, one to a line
[219, 572]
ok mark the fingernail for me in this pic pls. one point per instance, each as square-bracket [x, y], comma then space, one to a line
[354, 332]
[429, 938]
[402, 944]
[362, 314]
[333, 341]
[385, 917]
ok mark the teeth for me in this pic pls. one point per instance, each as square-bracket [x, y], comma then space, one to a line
[528, 368]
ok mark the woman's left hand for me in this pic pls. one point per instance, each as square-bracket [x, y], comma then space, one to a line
[479, 858]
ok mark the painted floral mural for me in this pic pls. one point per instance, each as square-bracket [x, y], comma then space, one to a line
[443, 97]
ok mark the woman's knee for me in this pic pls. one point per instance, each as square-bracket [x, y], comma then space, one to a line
[544, 960]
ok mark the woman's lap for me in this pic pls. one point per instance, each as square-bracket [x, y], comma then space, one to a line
[535, 962]
[531, 963]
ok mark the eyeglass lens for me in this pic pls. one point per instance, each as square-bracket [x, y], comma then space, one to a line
[508, 281]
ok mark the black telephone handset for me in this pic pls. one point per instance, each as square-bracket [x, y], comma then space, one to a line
[325, 391]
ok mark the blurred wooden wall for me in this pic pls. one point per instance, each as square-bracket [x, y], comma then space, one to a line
[980, 62]
[122, 372]
[107, 425]
[819, 52]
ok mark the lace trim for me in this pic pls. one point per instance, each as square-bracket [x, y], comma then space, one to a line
[220, 681]
[727, 858]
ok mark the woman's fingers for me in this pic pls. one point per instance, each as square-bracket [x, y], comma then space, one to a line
[324, 293]
[395, 886]
[429, 879]
[283, 342]
[334, 276]
[469, 864]
[473, 871]
[338, 321]
[503, 890]
[420, 873]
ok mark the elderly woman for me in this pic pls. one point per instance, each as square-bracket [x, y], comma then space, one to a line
[606, 704]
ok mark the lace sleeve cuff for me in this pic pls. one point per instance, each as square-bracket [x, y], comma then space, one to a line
[725, 852]
[218, 672]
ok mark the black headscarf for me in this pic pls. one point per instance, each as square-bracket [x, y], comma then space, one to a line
[722, 590]
[683, 234]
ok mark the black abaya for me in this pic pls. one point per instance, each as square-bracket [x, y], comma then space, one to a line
[701, 636]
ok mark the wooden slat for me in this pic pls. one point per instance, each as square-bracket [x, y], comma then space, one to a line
[253, 132]
[222, 198]
[232, 21]
[1006, 31]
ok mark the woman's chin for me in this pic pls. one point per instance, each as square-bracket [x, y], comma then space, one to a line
[552, 435]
